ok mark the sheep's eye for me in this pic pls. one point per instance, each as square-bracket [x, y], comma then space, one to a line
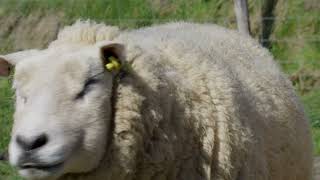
[86, 88]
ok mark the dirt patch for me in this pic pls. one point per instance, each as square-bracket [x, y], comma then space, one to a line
[306, 79]
[34, 31]
[7, 25]
[312, 5]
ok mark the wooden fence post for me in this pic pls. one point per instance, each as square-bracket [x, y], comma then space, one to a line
[241, 11]
[267, 21]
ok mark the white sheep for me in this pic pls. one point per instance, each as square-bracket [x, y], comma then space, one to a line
[189, 102]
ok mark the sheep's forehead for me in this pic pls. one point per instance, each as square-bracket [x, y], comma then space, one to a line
[52, 69]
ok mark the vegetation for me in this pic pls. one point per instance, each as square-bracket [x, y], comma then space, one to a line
[295, 41]
[6, 109]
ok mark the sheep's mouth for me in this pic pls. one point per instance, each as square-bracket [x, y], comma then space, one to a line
[42, 167]
[40, 171]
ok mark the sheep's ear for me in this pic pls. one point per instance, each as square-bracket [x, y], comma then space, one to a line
[8, 61]
[112, 52]
[5, 67]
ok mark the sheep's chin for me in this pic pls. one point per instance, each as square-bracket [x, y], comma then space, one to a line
[41, 174]
[52, 165]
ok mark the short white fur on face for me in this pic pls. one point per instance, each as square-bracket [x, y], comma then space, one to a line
[62, 113]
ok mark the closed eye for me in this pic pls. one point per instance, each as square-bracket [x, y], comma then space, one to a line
[86, 88]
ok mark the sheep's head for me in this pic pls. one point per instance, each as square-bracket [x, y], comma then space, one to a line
[63, 108]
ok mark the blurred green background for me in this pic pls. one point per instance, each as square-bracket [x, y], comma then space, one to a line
[294, 39]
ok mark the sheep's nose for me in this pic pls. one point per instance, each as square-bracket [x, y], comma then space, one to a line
[32, 143]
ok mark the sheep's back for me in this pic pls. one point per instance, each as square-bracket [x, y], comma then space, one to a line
[235, 71]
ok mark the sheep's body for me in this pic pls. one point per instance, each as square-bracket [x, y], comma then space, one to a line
[200, 102]
[203, 103]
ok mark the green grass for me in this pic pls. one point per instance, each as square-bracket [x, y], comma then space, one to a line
[316, 137]
[8, 173]
[299, 28]
[312, 107]
[6, 109]
[5, 113]
[295, 39]
[311, 103]
[124, 13]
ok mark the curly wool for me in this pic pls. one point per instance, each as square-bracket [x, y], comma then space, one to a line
[201, 102]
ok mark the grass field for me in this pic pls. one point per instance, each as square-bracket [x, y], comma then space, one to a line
[295, 41]
[6, 109]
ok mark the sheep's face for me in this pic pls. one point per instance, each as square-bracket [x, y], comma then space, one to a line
[62, 116]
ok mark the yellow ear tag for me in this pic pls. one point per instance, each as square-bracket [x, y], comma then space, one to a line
[113, 64]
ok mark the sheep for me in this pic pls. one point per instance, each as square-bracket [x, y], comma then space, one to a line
[169, 102]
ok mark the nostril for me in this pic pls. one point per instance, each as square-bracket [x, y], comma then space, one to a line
[40, 141]
[22, 142]
[32, 144]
